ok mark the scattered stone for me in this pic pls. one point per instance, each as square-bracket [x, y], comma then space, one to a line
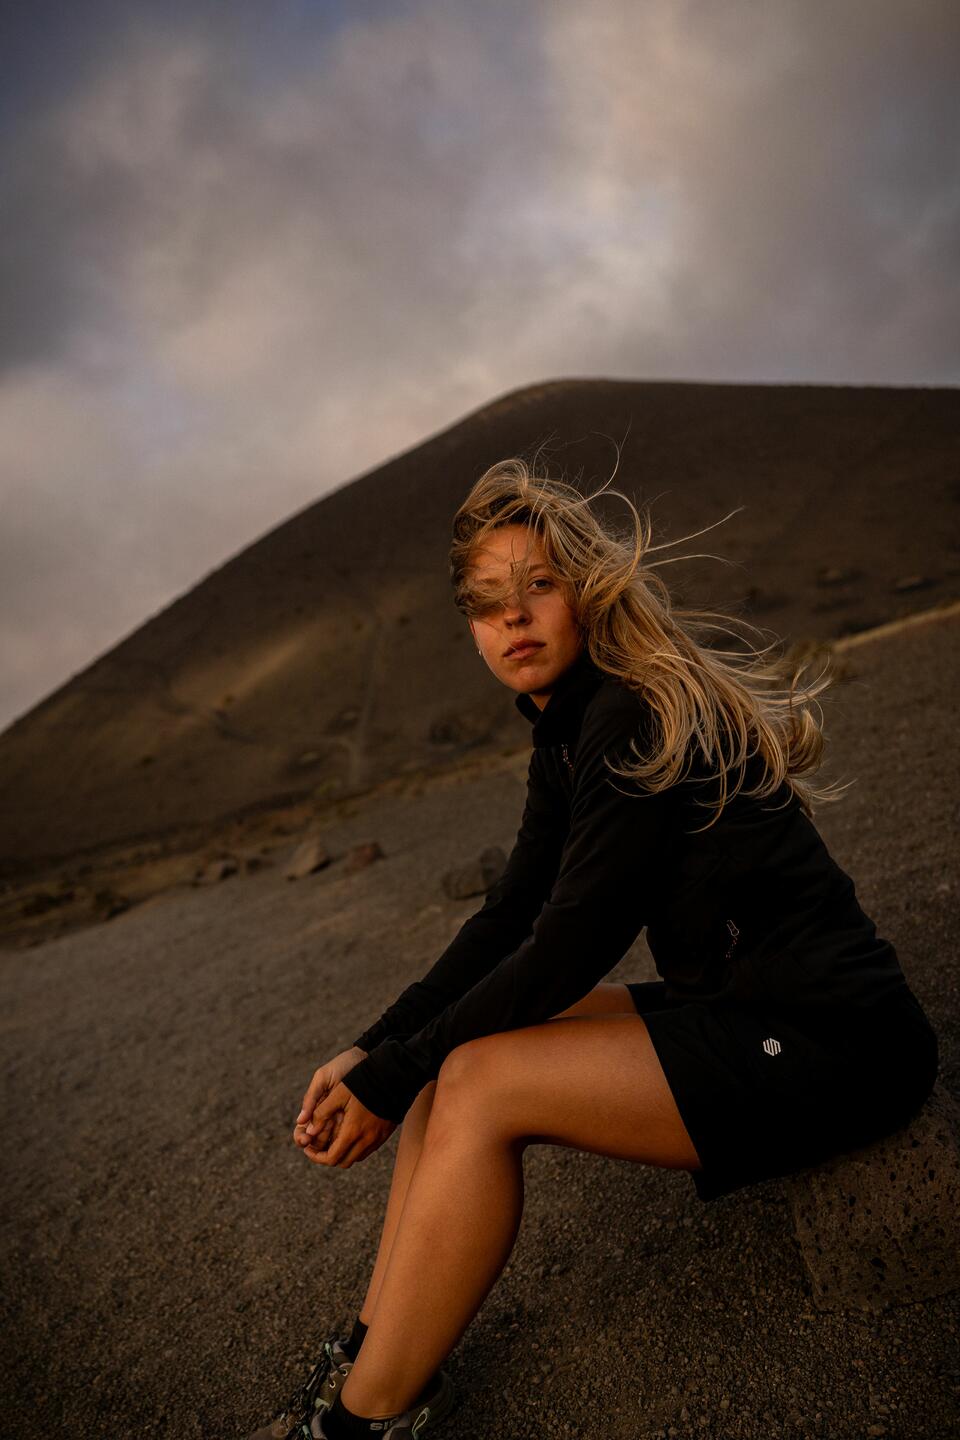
[912, 582]
[763, 601]
[836, 575]
[344, 719]
[453, 729]
[363, 855]
[216, 870]
[43, 900]
[107, 903]
[477, 878]
[309, 857]
[881, 1225]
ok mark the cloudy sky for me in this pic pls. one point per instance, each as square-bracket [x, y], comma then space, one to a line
[250, 250]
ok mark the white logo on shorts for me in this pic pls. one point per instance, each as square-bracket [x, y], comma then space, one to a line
[772, 1047]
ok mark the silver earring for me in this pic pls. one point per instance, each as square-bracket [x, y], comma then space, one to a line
[479, 651]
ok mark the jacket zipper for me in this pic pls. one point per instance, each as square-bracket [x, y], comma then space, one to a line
[566, 757]
[733, 943]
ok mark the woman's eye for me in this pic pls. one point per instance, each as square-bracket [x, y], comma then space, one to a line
[542, 580]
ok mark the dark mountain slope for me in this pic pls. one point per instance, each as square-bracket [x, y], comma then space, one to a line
[329, 655]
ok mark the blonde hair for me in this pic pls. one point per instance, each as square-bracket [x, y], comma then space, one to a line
[731, 703]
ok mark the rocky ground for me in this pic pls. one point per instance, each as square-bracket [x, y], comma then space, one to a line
[171, 1261]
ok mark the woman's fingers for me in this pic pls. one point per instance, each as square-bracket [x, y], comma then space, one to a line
[318, 1118]
[316, 1091]
[358, 1151]
[300, 1135]
[336, 1132]
[342, 1130]
[329, 1152]
[327, 1111]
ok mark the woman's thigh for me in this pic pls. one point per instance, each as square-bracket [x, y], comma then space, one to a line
[588, 1082]
[607, 998]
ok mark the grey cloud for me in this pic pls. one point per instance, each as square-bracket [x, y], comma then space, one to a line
[262, 254]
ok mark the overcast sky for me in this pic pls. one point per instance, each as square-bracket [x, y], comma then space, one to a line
[250, 250]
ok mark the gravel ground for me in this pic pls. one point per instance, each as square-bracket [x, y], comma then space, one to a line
[171, 1262]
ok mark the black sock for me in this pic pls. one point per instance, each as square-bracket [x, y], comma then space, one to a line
[355, 1340]
[339, 1423]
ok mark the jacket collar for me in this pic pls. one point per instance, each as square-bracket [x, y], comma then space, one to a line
[561, 716]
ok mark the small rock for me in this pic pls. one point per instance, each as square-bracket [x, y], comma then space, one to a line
[216, 870]
[307, 859]
[107, 903]
[43, 900]
[912, 582]
[344, 719]
[457, 729]
[876, 1429]
[475, 879]
[363, 855]
[836, 575]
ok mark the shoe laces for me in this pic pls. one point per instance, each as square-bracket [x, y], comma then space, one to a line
[301, 1401]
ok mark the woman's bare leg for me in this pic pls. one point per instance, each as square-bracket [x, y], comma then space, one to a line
[589, 1082]
[408, 1153]
[608, 997]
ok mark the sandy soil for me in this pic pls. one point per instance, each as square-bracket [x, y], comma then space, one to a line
[171, 1262]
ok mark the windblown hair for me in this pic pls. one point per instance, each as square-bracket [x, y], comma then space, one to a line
[732, 703]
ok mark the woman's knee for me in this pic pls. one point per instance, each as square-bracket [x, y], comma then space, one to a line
[466, 1066]
[466, 1075]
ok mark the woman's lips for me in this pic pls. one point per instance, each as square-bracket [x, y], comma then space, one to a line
[520, 652]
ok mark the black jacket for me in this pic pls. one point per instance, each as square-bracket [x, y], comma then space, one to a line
[752, 911]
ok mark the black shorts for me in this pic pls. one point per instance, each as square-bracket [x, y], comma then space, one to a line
[766, 1092]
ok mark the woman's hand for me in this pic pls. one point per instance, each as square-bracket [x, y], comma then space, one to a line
[320, 1086]
[343, 1130]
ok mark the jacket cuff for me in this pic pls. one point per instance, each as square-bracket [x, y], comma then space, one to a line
[387, 1082]
[371, 1038]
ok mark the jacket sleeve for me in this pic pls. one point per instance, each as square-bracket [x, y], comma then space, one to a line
[497, 928]
[599, 902]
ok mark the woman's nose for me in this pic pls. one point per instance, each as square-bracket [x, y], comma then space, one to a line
[513, 606]
[514, 612]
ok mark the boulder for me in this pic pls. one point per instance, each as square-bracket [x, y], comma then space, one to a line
[308, 857]
[217, 869]
[880, 1226]
[477, 878]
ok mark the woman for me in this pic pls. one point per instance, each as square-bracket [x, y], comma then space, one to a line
[664, 792]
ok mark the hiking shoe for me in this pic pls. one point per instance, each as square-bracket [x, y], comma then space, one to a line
[428, 1411]
[316, 1393]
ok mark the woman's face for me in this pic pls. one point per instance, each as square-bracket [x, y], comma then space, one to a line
[529, 641]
